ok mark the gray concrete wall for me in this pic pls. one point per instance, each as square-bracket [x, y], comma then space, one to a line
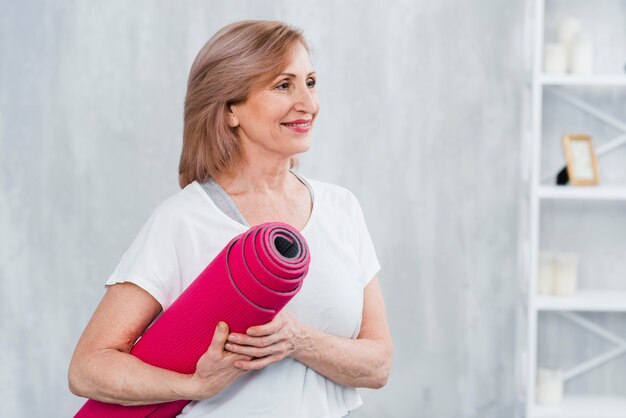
[421, 106]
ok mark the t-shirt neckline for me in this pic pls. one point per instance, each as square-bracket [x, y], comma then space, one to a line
[305, 228]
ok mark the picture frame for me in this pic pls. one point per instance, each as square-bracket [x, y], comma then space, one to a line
[582, 164]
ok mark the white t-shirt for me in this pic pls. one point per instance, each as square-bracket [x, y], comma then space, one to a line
[187, 231]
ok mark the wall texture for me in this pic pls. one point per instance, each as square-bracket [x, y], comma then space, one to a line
[420, 118]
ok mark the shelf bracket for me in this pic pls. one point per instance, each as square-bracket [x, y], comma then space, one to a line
[590, 110]
[597, 361]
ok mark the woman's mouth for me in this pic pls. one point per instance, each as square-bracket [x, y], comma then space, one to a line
[299, 126]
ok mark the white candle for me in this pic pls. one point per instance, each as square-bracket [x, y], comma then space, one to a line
[546, 273]
[555, 59]
[581, 55]
[568, 29]
[549, 386]
[565, 271]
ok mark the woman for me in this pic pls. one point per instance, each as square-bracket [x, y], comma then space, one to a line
[250, 107]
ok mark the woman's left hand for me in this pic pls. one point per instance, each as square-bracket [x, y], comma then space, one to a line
[268, 343]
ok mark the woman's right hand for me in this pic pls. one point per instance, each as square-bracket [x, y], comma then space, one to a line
[215, 370]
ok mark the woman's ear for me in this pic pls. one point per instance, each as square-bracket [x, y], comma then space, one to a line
[233, 121]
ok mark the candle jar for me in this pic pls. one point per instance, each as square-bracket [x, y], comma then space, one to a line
[567, 30]
[565, 274]
[549, 386]
[555, 59]
[581, 55]
[545, 277]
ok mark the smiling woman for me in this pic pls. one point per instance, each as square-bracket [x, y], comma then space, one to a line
[278, 117]
[241, 63]
[250, 107]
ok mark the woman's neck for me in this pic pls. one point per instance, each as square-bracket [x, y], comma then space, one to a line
[256, 178]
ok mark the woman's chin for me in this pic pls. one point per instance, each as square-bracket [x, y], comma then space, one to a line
[300, 145]
[303, 149]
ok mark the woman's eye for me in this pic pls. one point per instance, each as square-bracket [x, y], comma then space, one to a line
[311, 83]
[283, 86]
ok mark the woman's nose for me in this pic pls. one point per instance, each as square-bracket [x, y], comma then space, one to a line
[306, 100]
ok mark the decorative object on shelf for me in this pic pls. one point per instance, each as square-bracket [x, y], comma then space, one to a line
[582, 164]
[568, 35]
[555, 59]
[557, 274]
[565, 281]
[562, 178]
[567, 30]
[546, 273]
[572, 52]
[581, 55]
[549, 386]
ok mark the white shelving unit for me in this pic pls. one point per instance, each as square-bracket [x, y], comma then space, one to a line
[582, 80]
[586, 300]
[586, 193]
[584, 407]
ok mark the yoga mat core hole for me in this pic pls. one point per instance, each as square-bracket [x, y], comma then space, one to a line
[287, 248]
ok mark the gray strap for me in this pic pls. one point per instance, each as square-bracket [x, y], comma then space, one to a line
[225, 203]
[306, 183]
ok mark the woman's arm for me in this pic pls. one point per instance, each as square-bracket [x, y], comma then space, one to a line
[361, 362]
[102, 368]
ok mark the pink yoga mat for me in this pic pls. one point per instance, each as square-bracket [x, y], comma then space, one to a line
[247, 284]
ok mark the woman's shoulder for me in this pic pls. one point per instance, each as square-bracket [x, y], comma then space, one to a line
[179, 204]
[332, 193]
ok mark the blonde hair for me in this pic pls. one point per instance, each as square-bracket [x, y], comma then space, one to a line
[237, 58]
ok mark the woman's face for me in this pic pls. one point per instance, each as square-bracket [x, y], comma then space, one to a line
[277, 118]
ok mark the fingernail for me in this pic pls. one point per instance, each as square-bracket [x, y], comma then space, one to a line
[222, 326]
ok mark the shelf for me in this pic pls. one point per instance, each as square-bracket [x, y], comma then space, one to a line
[545, 91]
[585, 300]
[583, 80]
[584, 407]
[582, 192]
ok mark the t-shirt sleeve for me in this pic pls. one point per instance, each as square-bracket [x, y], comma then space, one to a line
[151, 261]
[365, 247]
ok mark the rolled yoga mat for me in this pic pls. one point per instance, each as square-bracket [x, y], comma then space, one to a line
[247, 284]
